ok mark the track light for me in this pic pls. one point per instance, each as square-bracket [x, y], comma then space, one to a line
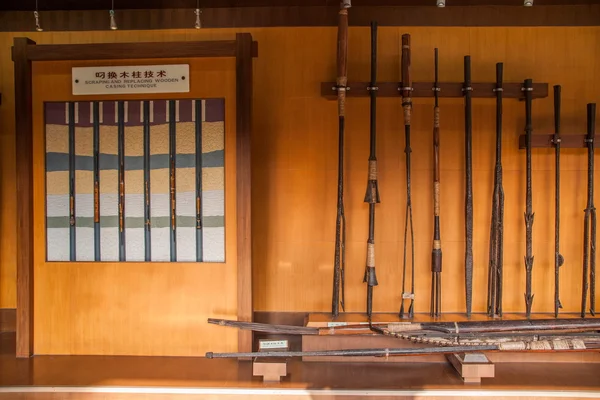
[198, 23]
[528, 3]
[441, 3]
[113, 22]
[36, 15]
[346, 3]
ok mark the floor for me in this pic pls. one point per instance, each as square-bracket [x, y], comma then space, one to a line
[61, 377]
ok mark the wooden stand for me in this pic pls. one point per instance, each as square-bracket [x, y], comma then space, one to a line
[472, 367]
[271, 370]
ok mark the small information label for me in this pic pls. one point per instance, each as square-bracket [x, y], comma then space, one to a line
[334, 324]
[273, 344]
[131, 79]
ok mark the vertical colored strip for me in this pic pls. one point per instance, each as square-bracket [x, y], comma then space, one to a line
[71, 119]
[96, 133]
[172, 160]
[147, 215]
[198, 125]
[121, 156]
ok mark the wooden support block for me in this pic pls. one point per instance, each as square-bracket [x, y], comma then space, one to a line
[271, 370]
[472, 367]
[425, 89]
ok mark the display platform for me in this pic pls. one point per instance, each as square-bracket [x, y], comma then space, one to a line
[161, 378]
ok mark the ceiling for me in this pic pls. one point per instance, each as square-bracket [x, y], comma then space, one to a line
[47, 5]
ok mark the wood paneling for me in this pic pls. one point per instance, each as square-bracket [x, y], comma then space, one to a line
[134, 308]
[294, 158]
[8, 320]
[315, 15]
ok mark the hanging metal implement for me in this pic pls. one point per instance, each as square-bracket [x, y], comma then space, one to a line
[407, 106]
[468, 90]
[558, 258]
[340, 224]
[494, 306]
[436, 252]
[372, 194]
[589, 243]
[529, 215]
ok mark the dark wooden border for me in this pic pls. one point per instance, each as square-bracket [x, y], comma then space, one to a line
[248, 17]
[25, 51]
[425, 89]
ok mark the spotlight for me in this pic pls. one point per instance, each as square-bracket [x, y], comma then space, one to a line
[198, 23]
[528, 3]
[113, 22]
[346, 3]
[441, 3]
[36, 15]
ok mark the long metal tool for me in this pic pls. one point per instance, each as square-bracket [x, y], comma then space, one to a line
[407, 106]
[456, 328]
[436, 252]
[558, 258]
[564, 345]
[340, 224]
[529, 215]
[372, 194]
[468, 91]
[589, 234]
[494, 305]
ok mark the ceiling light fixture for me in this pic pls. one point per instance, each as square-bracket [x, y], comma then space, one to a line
[528, 3]
[441, 3]
[198, 23]
[113, 22]
[36, 15]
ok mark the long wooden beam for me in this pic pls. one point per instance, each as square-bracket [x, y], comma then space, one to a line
[29, 5]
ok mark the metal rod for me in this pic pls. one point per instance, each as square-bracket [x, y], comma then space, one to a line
[147, 184]
[198, 125]
[121, 157]
[372, 193]
[529, 215]
[96, 139]
[558, 258]
[494, 306]
[72, 213]
[469, 187]
[407, 106]
[172, 175]
[589, 236]
[436, 252]
[340, 225]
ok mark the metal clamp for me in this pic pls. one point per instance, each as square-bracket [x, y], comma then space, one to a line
[556, 141]
[436, 89]
[586, 140]
[336, 88]
[498, 89]
[372, 88]
[526, 89]
[401, 89]
[467, 89]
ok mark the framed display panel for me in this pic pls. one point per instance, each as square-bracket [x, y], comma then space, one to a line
[135, 180]
[134, 307]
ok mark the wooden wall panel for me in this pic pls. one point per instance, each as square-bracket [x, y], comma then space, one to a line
[294, 159]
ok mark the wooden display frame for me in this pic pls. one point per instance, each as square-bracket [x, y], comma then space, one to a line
[25, 52]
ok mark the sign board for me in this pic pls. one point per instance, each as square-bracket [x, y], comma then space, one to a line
[131, 79]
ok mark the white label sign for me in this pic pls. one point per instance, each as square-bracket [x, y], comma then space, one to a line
[131, 79]
[272, 344]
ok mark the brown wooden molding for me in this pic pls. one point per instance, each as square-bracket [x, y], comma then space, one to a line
[243, 53]
[245, 17]
[24, 151]
[8, 320]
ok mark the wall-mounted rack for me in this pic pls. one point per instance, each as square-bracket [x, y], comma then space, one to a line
[425, 89]
[566, 141]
